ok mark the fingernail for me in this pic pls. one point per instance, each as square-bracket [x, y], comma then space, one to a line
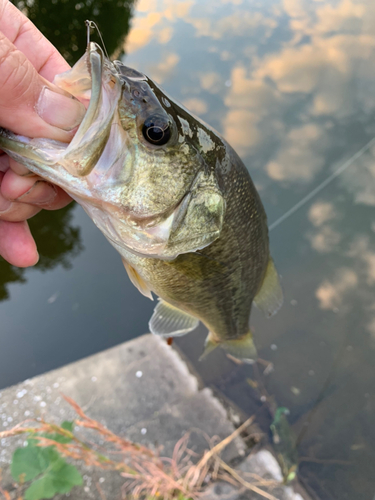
[41, 193]
[60, 110]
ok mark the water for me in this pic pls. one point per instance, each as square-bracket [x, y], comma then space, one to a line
[291, 85]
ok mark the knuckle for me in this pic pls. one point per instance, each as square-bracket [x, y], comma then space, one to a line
[15, 74]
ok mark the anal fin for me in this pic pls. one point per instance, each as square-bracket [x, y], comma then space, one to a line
[137, 281]
[168, 321]
[269, 298]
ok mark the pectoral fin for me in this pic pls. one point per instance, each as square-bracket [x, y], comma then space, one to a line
[137, 281]
[168, 321]
[242, 348]
[269, 298]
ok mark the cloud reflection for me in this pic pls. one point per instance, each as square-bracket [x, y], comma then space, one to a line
[155, 21]
[240, 23]
[331, 293]
[197, 106]
[324, 238]
[321, 212]
[299, 158]
[321, 75]
[164, 69]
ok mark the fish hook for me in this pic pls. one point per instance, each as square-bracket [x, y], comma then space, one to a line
[92, 25]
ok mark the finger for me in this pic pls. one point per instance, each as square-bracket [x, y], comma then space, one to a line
[17, 188]
[18, 168]
[18, 212]
[33, 190]
[13, 211]
[31, 106]
[17, 245]
[62, 200]
[4, 203]
[4, 162]
[28, 39]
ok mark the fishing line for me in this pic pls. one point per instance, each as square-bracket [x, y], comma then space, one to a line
[93, 25]
[321, 186]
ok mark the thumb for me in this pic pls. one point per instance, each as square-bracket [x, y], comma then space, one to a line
[29, 104]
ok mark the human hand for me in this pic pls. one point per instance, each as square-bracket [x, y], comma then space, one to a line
[30, 105]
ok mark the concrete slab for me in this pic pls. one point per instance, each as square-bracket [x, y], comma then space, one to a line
[141, 390]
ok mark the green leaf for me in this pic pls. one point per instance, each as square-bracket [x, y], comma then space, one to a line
[68, 425]
[42, 488]
[31, 461]
[32, 441]
[67, 477]
[55, 474]
[54, 481]
[26, 463]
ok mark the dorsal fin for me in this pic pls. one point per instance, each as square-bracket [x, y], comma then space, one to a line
[137, 281]
[168, 321]
[269, 298]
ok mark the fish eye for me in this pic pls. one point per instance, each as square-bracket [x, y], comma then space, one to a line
[156, 130]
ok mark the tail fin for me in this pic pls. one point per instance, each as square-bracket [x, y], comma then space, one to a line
[242, 348]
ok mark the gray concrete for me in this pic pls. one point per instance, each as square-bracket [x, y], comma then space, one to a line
[141, 390]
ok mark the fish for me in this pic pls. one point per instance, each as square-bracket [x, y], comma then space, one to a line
[171, 196]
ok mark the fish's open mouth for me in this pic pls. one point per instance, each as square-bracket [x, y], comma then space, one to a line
[95, 76]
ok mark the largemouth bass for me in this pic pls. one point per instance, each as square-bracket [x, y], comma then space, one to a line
[170, 195]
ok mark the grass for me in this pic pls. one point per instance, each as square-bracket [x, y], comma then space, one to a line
[146, 474]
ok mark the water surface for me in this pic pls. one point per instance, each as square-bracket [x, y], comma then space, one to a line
[291, 85]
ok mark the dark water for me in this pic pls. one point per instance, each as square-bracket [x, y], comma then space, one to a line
[291, 85]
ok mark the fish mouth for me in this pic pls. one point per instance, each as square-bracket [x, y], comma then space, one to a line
[96, 156]
[94, 76]
[93, 80]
